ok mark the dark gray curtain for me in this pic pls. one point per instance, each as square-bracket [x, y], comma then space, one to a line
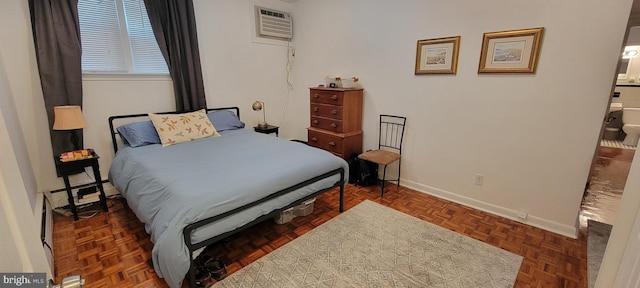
[174, 25]
[56, 35]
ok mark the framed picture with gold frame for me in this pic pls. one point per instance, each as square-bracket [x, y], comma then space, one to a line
[437, 56]
[514, 51]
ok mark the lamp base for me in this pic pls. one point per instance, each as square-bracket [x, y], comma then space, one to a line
[75, 140]
[263, 125]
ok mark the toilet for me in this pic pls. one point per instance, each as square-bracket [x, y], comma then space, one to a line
[631, 121]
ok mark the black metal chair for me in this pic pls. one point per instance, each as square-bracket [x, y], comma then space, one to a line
[389, 146]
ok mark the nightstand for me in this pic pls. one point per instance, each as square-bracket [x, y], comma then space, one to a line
[270, 129]
[73, 167]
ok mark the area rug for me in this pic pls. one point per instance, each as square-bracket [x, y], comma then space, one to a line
[371, 245]
[597, 239]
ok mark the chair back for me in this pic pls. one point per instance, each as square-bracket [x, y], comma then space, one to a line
[391, 132]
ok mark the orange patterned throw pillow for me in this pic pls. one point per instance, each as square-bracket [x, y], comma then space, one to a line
[178, 128]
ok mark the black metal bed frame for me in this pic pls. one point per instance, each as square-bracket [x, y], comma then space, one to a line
[189, 229]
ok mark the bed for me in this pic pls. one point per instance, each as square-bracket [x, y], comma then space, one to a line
[196, 193]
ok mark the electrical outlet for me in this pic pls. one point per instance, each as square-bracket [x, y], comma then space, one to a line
[479, 179]
[522, 214]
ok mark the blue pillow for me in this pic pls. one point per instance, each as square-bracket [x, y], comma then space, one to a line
[225, 120]
[139, 133]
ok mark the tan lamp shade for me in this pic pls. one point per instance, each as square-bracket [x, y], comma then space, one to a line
[68, 118]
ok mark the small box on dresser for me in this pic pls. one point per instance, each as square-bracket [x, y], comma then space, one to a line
[336, 120]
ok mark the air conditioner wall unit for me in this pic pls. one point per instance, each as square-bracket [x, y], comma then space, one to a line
[272, 23]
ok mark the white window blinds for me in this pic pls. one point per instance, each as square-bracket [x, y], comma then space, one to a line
[117, 37]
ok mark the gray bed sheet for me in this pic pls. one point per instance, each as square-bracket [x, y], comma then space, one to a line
[171, 187]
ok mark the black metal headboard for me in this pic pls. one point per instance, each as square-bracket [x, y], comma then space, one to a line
[114, 132]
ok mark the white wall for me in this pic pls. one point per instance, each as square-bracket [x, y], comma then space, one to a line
[24, 87]
[629, 96]
[525, 133]
[21, 248]
[236, 72]
[532, 136]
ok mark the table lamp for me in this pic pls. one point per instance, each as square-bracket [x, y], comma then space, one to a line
[69, 118]
[257, 106]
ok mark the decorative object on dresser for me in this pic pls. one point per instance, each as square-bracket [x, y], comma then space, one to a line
[257, 106]
[341, 82]
[336, 120]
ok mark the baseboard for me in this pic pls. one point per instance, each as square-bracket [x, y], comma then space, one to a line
[531, 220]
[59, 199]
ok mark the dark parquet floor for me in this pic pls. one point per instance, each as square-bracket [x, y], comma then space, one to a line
[112, 249]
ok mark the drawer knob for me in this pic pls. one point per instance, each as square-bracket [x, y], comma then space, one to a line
[316, 122]
[332, 143]
[334, 97]
[316, 96]
[334, 125]
[315, 109]
[334, 112]
[314, 139]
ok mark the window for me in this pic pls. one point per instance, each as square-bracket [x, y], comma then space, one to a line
[117, 37]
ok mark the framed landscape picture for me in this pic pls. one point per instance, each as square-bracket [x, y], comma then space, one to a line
[437, 56]
[514, 51]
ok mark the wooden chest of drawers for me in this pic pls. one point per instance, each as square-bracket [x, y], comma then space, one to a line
[336, 120]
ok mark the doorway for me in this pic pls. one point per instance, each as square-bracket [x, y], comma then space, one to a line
[610, 166]
[611, 163]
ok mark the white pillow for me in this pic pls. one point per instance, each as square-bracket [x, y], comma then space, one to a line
[178, 128]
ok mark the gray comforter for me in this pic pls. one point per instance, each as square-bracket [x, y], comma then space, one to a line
[171, 187]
